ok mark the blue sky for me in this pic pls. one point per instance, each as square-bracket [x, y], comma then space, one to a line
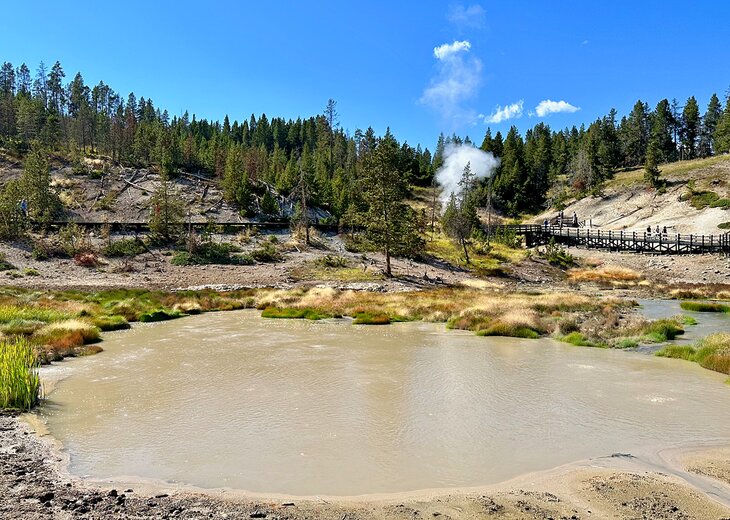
[379, 59]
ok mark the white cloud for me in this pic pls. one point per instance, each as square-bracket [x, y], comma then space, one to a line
[505, 113]
[471, 16]
[547, 107]
[446, 50]
[456, 81]
[584, 42]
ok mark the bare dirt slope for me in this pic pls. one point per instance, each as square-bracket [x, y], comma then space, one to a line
[102, 191]
[628, 203]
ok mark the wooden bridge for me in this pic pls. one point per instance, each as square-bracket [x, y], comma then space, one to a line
[632, 241]
[225, 227]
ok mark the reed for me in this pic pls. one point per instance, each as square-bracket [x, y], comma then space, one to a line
[712, 352]
[19, 381]
[705, 307]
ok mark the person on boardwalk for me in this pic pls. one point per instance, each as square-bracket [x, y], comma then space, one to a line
[648, 230]
[658, 231]
[664, 232]
[575, 219]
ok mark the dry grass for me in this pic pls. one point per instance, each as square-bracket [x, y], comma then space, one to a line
[605, 275]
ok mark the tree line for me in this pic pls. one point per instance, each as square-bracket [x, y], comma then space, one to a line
[548, 164]
[318, 163]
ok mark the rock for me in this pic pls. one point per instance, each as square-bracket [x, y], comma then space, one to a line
[46, 497]
[112, 493]
[257, 514]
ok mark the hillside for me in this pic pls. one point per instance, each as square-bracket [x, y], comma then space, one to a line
[685, 206]
[106, 192]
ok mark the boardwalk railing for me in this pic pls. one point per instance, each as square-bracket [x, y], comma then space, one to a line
[621, 240]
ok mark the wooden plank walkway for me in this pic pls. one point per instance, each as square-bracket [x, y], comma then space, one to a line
[227, 227]
[633, 241]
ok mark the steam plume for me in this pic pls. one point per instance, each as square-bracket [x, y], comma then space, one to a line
[456, 157]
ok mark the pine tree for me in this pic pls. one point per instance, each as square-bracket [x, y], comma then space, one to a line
[44, 205]
[690, 128]
[167, 210]
[651, 171]
[722, 130]
[460, 217]
[706, 146]
[390, 223]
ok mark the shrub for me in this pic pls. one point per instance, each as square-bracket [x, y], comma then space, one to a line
[267, 253]
[208, 253]
[4, 264]
[86, 259]
[29, 271]
[724, 225]
[557, 256]
[19, 381]
[126, 247]
[332, 261]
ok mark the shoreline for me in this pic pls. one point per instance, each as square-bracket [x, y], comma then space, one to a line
[611, 486]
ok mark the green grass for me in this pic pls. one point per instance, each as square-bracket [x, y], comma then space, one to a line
[660, 331]
[712, 352]
[627, 343]
[686, 320]
[160, 315]
[301, 313]
[488, 264]
[29, 271]
[724, 225]
[114, 322]
[705, 307]
[685, 352]
[579, 340]
[508, 330]
[19, 381]
[9, 313]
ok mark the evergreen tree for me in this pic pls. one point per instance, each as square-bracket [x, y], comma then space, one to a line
[460, 217]
[651, 171]
[167, 211]
[722, 130]
[690, 128]
[390, 223]
[44, 205]
[706, 146]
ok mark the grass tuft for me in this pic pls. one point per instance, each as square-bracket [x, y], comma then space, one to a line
[705, 307]
[712, 352]
[303, 313]
[20, 384]
[159, 315]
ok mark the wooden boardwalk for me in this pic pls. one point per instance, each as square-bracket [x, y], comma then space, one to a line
[632, 241]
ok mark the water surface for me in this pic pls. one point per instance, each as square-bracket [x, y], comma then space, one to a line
[234, 400]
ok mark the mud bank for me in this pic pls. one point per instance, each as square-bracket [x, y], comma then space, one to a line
[35, 485]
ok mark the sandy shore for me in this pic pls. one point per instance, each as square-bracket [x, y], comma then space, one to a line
[34, 484]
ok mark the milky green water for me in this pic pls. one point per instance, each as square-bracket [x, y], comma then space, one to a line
[234, 400]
